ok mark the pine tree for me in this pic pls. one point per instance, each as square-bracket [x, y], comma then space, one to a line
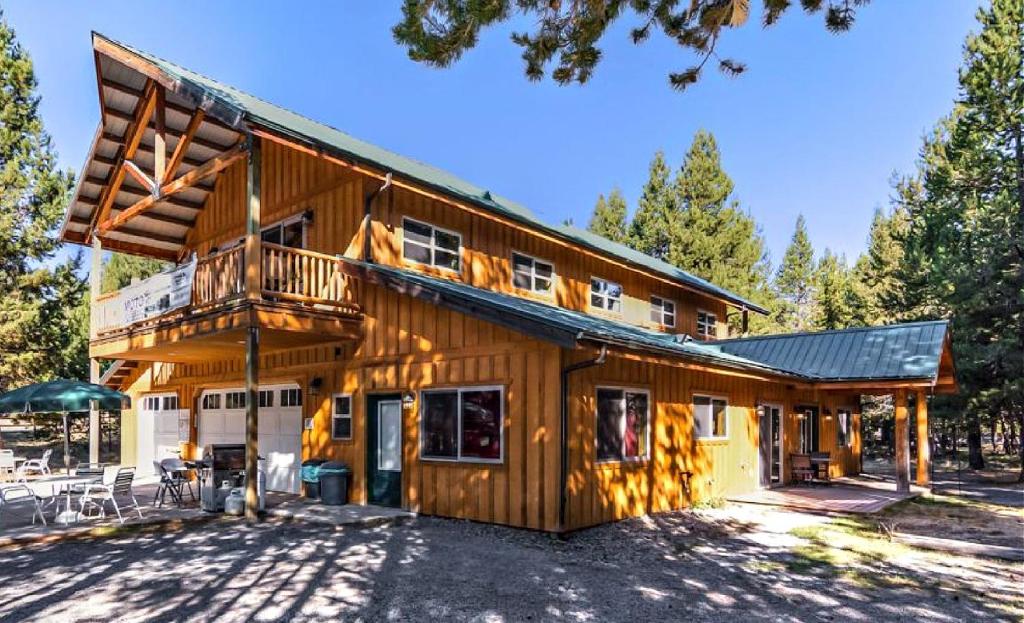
[649, 230]
[709, 235]
[835, 300]
[37, 299]
[879, 276]
[794, 282]
[120, 269]
[609, 218]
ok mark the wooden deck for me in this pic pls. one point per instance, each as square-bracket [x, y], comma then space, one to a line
[857, 495]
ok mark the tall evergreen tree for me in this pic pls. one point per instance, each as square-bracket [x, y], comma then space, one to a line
[879, 274]
[37, 299]
[709, 235]
[649, 230]
[964, 249]
[835, 300]
[794, 282]
[609, 218]
[120, 269]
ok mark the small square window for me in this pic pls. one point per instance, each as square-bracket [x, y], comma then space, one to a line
[606, 295]
[531, 274]
[341, 417]
[425, 244]
[710, 417]
[707, 324]
[663, 311]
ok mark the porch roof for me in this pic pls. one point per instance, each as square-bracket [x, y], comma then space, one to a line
[911, 352]
[232, 109]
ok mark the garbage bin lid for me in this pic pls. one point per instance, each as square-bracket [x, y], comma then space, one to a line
[334, 467]
[308, 462]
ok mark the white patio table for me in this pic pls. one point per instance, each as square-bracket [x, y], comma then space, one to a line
[62, 485]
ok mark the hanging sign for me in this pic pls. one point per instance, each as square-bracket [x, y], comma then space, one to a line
[157, 295]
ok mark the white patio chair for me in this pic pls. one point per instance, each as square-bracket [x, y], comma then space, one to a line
[7, 466]
[40, 465]
[21, 495]
[97, 495]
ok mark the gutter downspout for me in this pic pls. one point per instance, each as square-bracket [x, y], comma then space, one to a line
[368, 221]
[563, 482]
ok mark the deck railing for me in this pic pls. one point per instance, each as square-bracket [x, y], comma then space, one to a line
[306, 277]
[296, 276]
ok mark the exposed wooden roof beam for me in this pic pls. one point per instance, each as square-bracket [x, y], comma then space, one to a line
[132, 248]
[133, 136]
[146, 181]
[169, 239]
[202, 142]
[138, 192]
[214, 166]
[128, 188]
[161, 218]
[182, 147]
[143, 148]
[127, 90]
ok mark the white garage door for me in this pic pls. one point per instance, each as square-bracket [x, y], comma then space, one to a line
[222, 420]
[157, 431]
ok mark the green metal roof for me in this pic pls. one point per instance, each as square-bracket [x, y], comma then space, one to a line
[892, 352]
[305, 130]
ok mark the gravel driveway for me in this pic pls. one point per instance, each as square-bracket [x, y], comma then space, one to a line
[684, 566]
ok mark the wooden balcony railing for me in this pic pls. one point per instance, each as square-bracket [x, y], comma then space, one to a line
[306, 277]
[298, 276]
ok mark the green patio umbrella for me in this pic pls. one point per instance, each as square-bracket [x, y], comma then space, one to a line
[62, 397]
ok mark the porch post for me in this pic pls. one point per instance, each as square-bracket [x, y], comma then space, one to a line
[95, 276]
[924, 451]
[902, 443]
[252, 341]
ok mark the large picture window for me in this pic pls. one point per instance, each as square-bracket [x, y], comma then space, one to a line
[425, 244]
[606, 295]
[463, 424]
[710, 419]
[844, 419]
[623, 417]
[529, 273]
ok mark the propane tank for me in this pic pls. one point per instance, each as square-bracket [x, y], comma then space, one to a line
[234, 504]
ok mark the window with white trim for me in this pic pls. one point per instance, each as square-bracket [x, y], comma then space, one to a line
[151, 403]
[623, 424]
[707, 324]
[211, 401]
[291, 397]
[462, 424]
[529, 273]
[710, 417]
[425, 244]
[266, 398]
[663, 311]
[844, 423]
[341, 417]
[234, 400]
[606, 295]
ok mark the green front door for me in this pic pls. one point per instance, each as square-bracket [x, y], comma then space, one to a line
[384, 449]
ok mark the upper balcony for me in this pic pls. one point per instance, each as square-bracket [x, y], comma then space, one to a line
[202, 310]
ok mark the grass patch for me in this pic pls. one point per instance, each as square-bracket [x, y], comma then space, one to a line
[850, 549]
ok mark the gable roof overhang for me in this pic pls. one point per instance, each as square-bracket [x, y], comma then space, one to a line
[124, 72]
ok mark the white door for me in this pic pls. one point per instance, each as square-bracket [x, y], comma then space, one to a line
[157, 436]
[222, 420]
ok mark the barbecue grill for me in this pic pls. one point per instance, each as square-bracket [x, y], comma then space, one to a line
[221, 469]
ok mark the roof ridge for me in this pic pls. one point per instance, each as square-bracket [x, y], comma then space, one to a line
[774, 336]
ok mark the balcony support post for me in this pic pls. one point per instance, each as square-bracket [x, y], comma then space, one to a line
[95, 281]
[253, 289]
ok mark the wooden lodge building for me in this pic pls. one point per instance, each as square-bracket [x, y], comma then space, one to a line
[331, 299]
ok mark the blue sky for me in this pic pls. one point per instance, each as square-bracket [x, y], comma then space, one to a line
[816, 126]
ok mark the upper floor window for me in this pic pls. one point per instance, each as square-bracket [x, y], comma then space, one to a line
[288, 233]
[425, 244]
[663, 311]
[606, 295]
[709, 417]
[622, 424]
[529, 273]
[707, 324]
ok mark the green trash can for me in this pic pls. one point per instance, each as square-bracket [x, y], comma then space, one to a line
[334, 483]
[310, 474]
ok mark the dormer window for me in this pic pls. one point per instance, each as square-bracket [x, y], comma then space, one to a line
[707, 324]
[431, 246]
[663, 311]
[606, 295]
[529, 273]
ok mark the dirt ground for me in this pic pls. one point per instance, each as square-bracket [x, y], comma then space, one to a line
[737, 562]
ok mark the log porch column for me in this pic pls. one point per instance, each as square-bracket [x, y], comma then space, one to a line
[902, 443]
[253, 256]
[95, 277]
[924, 451]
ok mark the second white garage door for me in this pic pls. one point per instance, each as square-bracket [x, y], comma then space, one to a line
[222, 420]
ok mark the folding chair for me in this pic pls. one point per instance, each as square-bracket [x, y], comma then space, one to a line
[99, 494]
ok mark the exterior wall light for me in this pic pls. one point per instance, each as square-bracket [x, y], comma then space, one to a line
[314, 386]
